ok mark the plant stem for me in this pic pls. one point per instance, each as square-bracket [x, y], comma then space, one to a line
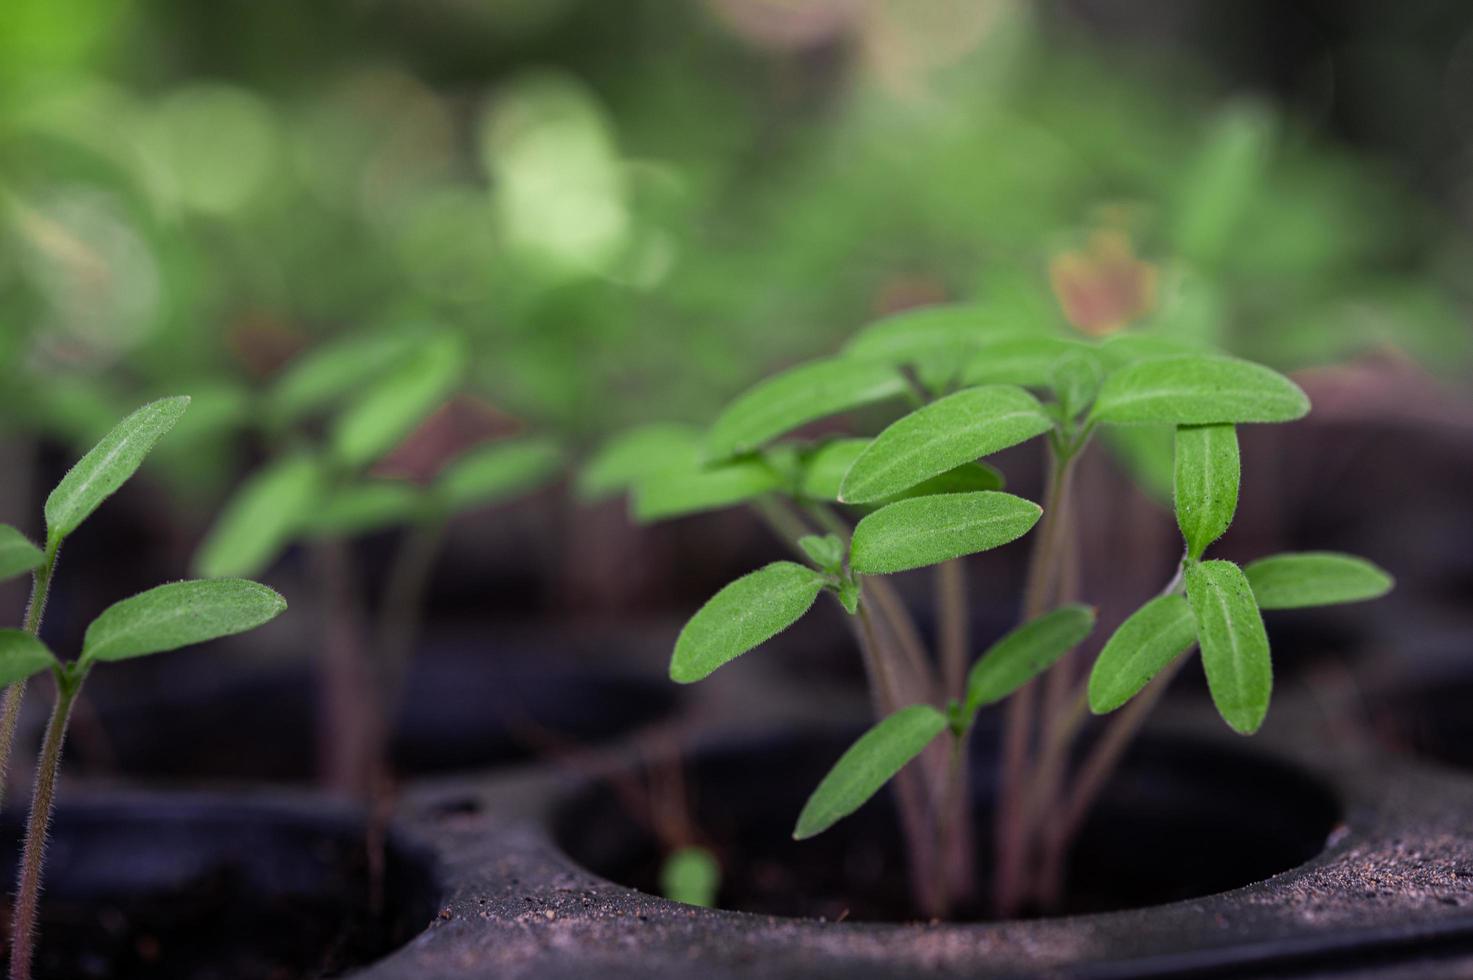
[951, 617]
[1013, 839]
[15, 693]
[917, 831]
[33, 853]
[403, 611]
[346, 736]
[1093, 773]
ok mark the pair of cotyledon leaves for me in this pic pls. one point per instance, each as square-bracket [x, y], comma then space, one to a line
[391, 383]
[165, 618]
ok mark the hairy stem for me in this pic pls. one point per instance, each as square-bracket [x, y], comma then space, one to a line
[951, 617]
[1093, 774]
[1013, 839]
[918, 832]
[33, 852]
[15, 693]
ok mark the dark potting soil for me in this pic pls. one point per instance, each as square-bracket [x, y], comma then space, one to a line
[216, 893]
[1178, 821]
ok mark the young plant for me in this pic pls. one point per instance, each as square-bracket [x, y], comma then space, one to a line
[977, 384]
[366, 395]
[165, 618]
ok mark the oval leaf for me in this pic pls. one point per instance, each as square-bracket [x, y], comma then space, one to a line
[1198, 389]
[17, 554]
[394, 405]
[178, 615]
[108, 465]
[1315, 578]
[22, 656]
[796, 397]
[927, 530]
[687, 492]
[637, 455]
[1154, 635]
[1025, 653]
[496, 473]
[941, 436]
[1234, 643]
[332, 371]
[363, 508]
[824, 468]
[258, 522]
[1026, 361]
[916, 335]
[869, 764]
[1206, 483]
[745, 614]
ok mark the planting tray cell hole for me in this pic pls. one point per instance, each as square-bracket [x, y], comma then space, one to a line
[1180, 820]
[172, 887]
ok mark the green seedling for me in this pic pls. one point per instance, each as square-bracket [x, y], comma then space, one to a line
[169, 617]
[333, 414]
[918, 494]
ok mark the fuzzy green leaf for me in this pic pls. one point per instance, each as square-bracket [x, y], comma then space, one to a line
[1315, 578]
[825, 467]
[1120, 349]
[690, 491]
[1025, 653]
[364, 508]
[1198, 389]
[691, 876]
[497, 472]
[796, 397]
[22, 656]
[827, 551]
[261, 519]
[744, 615]
[927, 530]
[1026, 361]
[1206, 483]
[17, 554]
[917, 335]
[108, 465]
[178, 615]
[941, 436]
[1075, 379]
[391, 407]
[966, 478]
[868, 765]
[1154, 635]
[638, 455]
[327, 374]
[1234, 644]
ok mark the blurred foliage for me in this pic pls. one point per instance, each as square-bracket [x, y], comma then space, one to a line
[631, 211]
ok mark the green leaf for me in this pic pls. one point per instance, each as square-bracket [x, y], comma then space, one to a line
[1026, 361]
[364, 508]
[1315, 578]
[324, 376]
[178, 615]
[1234, 643]
[1154, 635]
[22, 656]
[1075, 378]
[108, 465]
[1198, 389]
[849, 596]
[1025, 653]
[966, 478]
[824, 468]
[17, 554]
[1206, 483]
[827, 551]
[869, 764]
[391, 407]
[674, 494]
[638, 455]
[796, 397]
[941, 436]
[936, 340]
[1120, 349]
[927, 530]
[1217, 189]
[691, 876]
[497, 472]
[744, 615]
[258, 522]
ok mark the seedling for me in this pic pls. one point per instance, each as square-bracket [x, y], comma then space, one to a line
[923, 498]
[365, 395]
[169, 617]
